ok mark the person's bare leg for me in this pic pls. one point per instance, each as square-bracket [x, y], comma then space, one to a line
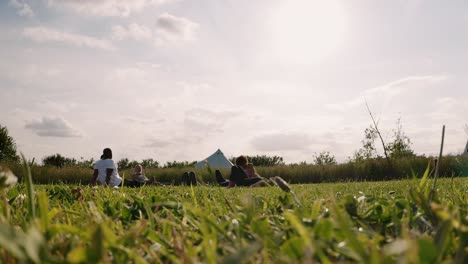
[263, 183]
[259, 184]
[282, 184]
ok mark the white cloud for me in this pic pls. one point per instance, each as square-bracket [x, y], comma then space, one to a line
[23, 9]
[401, 85]
[121, 8]
[53, 127]
[282, 141]
[390, 90]
[168, 29]
[448, 109]
[143, 121]
[132, 31]
[44, 34]
[158, 143]
[172, 28]
[206, 122]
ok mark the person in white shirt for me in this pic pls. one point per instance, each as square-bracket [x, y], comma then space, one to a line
[105, 171]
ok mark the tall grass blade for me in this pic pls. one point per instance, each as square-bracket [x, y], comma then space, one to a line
[425, 176]
[29, 188]
[438, 162]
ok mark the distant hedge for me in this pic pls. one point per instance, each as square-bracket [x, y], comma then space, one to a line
[368, 170]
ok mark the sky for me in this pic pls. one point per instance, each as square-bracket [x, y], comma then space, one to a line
[178, 79]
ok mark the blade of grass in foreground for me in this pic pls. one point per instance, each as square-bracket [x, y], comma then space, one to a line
[29, 189]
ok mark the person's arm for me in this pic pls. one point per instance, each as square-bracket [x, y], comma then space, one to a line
[255, 172]
[108, 175]
[94, 178]
[251, 172]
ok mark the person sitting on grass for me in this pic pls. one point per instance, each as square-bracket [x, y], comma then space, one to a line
[244, 174]
[138, 179]
[105, 171]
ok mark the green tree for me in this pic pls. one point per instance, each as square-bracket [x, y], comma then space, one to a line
[324, 158]
[262, 160]
[123, 164]
[7, 147]
[179, 164]
[126, 164]
[150, 164]
[400, 147]
[58, 161]
[85, 163]
[368, 149]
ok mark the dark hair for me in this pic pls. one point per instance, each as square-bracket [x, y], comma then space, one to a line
[107, 153]
[242, 161]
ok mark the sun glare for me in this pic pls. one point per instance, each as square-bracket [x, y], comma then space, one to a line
[306, 31]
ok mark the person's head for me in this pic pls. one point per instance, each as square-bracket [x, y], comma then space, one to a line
[242, 161]
[138, 169]
[107, 153]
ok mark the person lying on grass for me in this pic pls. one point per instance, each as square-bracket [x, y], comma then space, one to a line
[189, 178]
[244, 174]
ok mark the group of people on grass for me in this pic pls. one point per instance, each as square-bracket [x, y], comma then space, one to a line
[106, 173]
[243, 173]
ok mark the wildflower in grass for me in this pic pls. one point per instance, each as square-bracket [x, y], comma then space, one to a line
[7, 178]
[21, 197]
[155, 247]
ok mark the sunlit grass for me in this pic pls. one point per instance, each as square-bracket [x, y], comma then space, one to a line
[366, 222]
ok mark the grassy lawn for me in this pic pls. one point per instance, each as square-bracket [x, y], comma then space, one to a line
[366, 222]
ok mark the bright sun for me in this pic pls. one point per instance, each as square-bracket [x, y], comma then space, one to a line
[306, 31]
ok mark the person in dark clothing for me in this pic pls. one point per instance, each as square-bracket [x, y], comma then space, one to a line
[244, 174]
[189, 178]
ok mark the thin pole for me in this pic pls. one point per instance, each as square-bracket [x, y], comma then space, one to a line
[436, 175]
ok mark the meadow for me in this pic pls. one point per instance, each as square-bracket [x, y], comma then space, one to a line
[402, 221]
[366, 170]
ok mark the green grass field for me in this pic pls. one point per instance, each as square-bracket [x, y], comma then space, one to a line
[366, 222]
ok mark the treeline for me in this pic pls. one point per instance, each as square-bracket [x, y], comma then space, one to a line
[399, 146]
[367, 170]
[60, 161]
[395, 160]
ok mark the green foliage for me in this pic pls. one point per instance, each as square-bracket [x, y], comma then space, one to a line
[126, 164]
[367, 170]
[58, 161]
[149, 164]
[368, 150]
[462, 165]
[179, 164]
[7, 147]
[400, 147]
[324, 158]
[263, 160]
